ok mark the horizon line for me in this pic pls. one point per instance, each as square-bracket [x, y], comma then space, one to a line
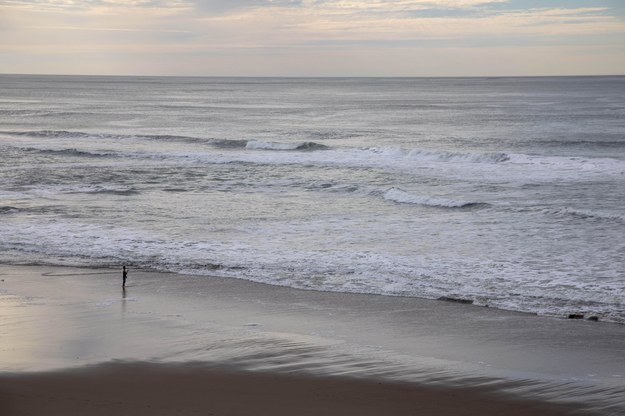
[311, 76]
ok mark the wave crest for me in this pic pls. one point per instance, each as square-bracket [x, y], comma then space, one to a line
[120, 191]
[70, 152]
[398, 195]
[445, 156]
[584, 214]
[99, 189]
[262, 145]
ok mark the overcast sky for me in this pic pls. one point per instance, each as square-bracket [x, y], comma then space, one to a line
[313, 37]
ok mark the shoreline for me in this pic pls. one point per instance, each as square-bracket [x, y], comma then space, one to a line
[97, 270]
[74, 322]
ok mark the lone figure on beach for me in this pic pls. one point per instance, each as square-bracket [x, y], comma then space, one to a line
[124, 276]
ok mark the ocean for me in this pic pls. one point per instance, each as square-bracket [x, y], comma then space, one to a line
[508, 192]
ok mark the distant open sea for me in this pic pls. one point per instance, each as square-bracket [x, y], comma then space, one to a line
[509, 192]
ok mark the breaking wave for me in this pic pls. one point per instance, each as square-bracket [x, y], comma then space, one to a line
[262, 145]
[445, 156]
[218, 143]
[244, 151]
[397, 195]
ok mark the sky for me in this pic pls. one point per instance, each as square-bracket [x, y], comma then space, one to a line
[313, 37]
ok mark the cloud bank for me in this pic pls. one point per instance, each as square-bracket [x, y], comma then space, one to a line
[313, 37]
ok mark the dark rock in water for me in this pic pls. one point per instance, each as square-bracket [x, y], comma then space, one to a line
[457, 300]
[593, 318]
[576, 316]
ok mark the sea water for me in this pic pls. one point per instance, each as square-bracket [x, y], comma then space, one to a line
[509, 192]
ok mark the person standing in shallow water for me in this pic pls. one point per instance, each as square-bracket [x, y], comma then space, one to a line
[124, 276]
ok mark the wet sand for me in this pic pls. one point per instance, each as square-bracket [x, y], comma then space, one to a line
[189, 389]
[75, 342]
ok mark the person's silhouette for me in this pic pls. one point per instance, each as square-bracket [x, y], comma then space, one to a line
[124, 276]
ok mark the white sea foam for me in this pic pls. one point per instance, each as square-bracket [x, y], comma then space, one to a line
[498, 165]
[462, 165]
[445, 156]
[440, 155]
[484, 281]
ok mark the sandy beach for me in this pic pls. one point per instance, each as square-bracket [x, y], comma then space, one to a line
[75, 342]
[189, 389]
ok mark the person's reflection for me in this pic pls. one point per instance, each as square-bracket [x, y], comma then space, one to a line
[124, 294]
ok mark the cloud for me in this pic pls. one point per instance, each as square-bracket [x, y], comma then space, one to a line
[85, 4]
[292, 22]
[226, 6]
[328, 22]
[343, 7]
[291, 30]
[109, 29]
